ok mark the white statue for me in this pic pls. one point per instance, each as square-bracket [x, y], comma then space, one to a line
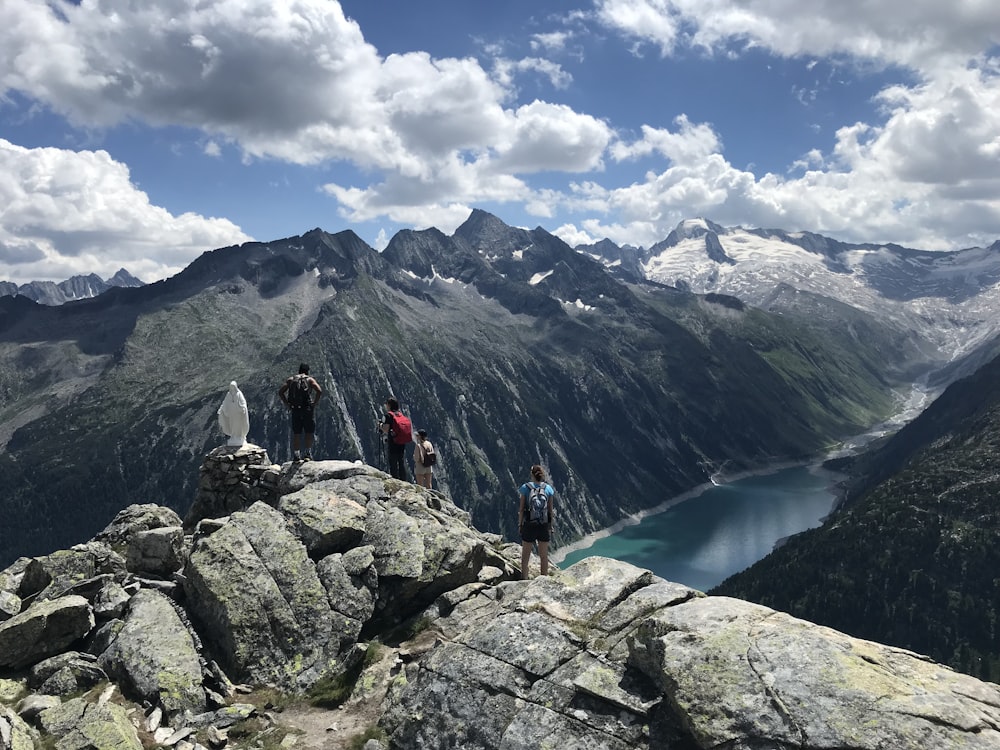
[234, 418]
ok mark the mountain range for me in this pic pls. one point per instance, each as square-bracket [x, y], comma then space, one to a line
[73, 288]
[947, 302]
[508, 345]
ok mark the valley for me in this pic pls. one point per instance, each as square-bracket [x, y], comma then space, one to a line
[509, 345]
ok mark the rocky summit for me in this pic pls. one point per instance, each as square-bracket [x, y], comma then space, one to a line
[331, 606]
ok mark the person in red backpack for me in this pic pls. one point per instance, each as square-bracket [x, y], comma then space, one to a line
[399, 431]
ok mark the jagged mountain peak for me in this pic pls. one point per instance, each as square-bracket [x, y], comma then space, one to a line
[491, 237]
[315, 251]
[697, 226]
[81, 286]
[479, 223]
[125, 279]
[687, 230]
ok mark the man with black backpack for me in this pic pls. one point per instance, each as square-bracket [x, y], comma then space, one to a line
[297, 394]
[397, 428]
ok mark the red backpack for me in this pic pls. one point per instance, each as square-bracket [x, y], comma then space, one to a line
[401, 430]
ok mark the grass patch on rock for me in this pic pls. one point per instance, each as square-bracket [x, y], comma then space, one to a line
[357, 742]
[332, 690]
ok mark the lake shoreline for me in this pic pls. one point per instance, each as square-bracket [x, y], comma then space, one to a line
[911, 405]
[814, 465]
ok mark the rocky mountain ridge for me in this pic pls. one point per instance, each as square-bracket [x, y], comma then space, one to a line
[949, 299]
[73, 288]
[167, 632]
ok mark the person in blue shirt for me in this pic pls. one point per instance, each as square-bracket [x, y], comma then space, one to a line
[534, 519]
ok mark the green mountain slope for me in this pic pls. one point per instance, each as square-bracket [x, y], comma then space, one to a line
[913, 559]
[507, 345]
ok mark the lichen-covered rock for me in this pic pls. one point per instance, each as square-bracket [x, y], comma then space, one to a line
[44, 629]
[421, 552]
[518, 651]
[351, 584]
[12, 689]
[605, 655]
[154, 656]
[324, 521]
[102, 637]
[254, 591]
[81, 725]
[29, 707]
[396, 542]
[10, 604]
[110, 601]
[156, 552]
[134, 519]
[66, 673]
[12, 576]
[15, 733]
[804, 685]
[54, 575]
[224, 717]
[296, 476]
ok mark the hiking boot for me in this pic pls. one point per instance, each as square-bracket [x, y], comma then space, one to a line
[296, 456]
[308, 456]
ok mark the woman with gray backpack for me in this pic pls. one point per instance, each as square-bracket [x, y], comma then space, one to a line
[534, 519]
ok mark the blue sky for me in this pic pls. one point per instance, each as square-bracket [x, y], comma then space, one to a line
[142, 134]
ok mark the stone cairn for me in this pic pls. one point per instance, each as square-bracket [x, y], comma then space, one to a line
[232, 479]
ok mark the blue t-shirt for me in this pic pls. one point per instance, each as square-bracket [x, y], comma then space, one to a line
[525, 491]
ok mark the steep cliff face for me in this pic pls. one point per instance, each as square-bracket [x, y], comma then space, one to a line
[157, 631]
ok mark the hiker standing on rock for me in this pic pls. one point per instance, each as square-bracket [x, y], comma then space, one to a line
[424, 459]
[397, 428]
[534, 518]
[297, 394]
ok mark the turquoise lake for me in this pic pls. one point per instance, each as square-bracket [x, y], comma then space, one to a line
[703, 540]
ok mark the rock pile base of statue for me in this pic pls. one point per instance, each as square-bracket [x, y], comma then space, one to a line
[231, 479]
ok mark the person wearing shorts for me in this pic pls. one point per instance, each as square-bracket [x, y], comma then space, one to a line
[535, 532]
[303, 409]
[421, 470]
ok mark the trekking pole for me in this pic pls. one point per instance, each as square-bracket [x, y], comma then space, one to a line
[381, 457]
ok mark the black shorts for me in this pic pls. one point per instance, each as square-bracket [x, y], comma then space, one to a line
[535, 532]
[302, 421]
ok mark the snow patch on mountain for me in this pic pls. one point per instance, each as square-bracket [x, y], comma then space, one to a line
[539, 277]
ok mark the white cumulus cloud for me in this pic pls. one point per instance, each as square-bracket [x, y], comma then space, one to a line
[64, 213]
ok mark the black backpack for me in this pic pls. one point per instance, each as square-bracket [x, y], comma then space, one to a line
[430, 457]
[298, 392]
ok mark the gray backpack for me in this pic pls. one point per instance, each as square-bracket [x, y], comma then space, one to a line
[538, 503]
